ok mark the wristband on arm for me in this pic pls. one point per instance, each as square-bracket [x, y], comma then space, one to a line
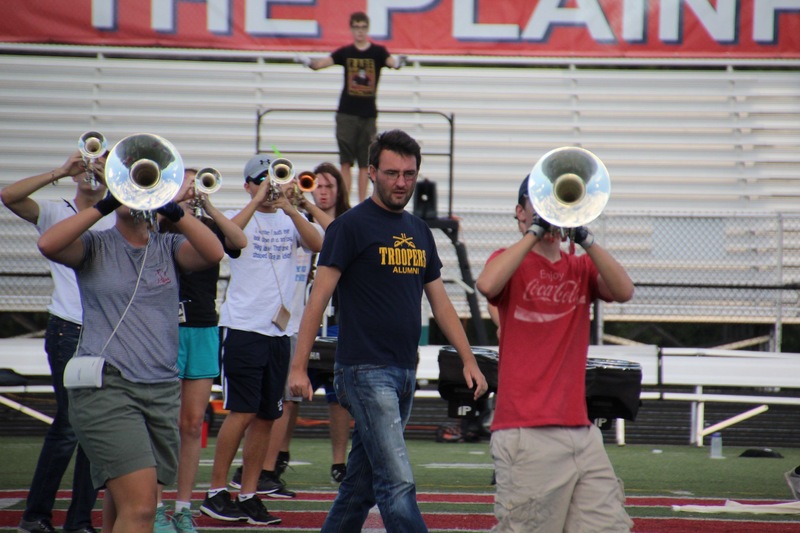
[172, 211]
[107, 204]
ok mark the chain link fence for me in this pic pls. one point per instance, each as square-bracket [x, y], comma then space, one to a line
[725, 268]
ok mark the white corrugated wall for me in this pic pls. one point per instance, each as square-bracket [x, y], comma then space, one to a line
[687, 138]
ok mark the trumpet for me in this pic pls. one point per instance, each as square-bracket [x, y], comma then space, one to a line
[569, 187]
[305, 182]
[281, 172]
[92, 145]
[144, 172]
[207, 181]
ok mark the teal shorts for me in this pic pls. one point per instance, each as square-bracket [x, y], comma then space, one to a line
[198, 353]
[124, 427]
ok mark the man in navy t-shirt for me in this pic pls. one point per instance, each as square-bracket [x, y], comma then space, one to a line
[382, 258]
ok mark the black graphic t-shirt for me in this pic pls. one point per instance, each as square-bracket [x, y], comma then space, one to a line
[362, 70]
[385, 259]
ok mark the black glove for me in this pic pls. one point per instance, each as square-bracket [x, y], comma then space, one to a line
[539, 226]
[584, 237]
[107, 204]
[172, 211]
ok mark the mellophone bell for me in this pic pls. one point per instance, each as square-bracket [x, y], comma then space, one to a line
[613, 386]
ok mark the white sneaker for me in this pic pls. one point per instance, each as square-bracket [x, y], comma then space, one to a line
[793, 480]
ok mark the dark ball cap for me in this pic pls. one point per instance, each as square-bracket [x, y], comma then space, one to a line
[523, 191]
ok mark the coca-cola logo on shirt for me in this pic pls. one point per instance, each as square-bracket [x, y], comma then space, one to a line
[550, 287]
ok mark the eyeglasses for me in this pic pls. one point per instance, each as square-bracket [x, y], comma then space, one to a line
[359, 27]
[394, 175]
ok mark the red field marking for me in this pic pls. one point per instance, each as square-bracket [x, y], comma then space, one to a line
[312, 520]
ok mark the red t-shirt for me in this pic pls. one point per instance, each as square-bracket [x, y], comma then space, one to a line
[544, 319]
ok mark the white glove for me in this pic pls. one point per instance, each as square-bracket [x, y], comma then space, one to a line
[304, 60]
[400, 61]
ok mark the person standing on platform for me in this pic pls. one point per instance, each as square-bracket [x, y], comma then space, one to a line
[357, 114]
[552, 471]
[61, 340]
[380, 258]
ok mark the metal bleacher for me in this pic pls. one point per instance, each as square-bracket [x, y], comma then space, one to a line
[703, 156]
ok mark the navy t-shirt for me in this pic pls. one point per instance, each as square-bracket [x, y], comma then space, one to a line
[385, 259]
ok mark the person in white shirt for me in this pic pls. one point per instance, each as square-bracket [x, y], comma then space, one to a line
[61, 339]
[255, 353]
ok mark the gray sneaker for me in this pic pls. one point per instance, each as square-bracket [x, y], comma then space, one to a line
[42, 525]
[793, 480]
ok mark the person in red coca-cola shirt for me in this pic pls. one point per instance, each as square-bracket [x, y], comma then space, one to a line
[552, 470]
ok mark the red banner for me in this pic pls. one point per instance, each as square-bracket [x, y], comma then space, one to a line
[758, 29]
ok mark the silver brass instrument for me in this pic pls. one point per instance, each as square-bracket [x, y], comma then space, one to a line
[91, 145]
[569, 187]
[281, 172]
[144, 172]
[207, 181]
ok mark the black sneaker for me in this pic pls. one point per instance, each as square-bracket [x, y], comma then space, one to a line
[222, 507]
[273, 487]
[42, 525]
[281, 464]
[256, 513]
[338, 471]
[85, 529]
[236, 480]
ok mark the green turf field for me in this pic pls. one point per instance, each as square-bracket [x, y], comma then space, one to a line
[672, 471]
[677, 470]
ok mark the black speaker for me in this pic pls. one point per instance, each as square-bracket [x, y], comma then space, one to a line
[425, 200]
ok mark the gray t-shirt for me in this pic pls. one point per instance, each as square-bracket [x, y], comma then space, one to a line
[145, 345]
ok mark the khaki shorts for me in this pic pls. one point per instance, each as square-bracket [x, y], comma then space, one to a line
[556, 479]
[124, 427]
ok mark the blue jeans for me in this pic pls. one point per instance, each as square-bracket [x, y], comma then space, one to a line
[378, 468]
[61, 341]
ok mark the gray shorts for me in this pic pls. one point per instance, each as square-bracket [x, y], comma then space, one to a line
[124, 427]
[354, 135]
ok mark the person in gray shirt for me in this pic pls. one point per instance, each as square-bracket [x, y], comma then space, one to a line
[128, 282]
